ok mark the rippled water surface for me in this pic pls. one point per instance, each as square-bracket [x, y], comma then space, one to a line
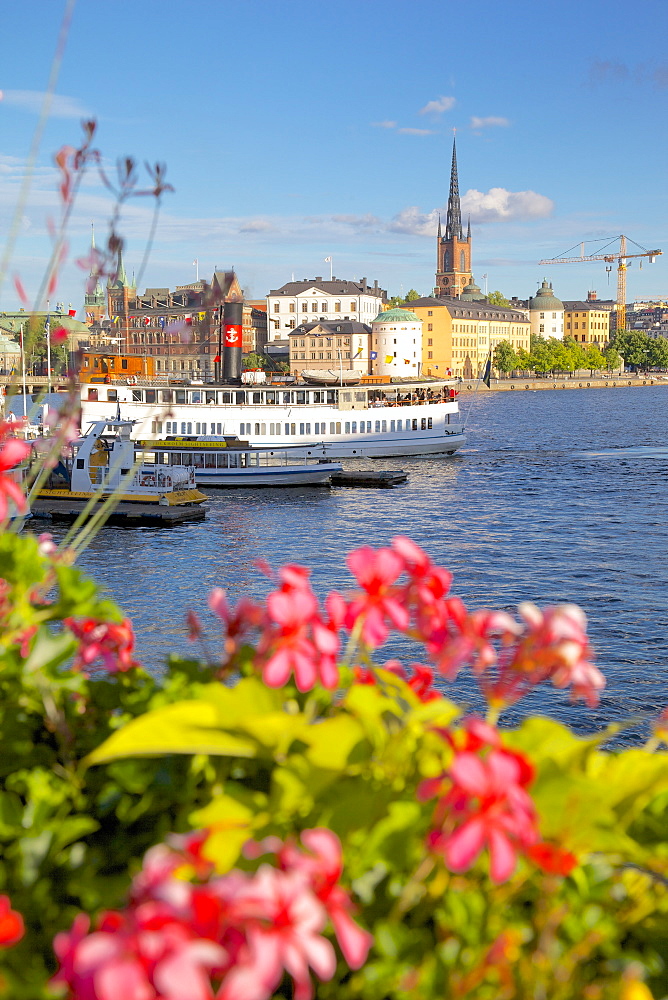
[557, 497]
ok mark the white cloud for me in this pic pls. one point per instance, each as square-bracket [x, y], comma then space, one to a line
[256, 226]
[438, 106]
[32, 101]
[500, 205]
[412, 222]
[491, 120]
[416, 131]
[386, 124]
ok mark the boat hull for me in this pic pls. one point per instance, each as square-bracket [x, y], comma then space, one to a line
[251, 477]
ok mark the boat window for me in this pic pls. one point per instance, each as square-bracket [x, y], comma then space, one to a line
[151, 396]
[240, 398]
[318, 396]
[430, 423]
[360, 397]
[423, 424]
[227, 397]
[384, 426]
[137, 395]
[198, 461]
[361, 427]
[331, 395]
[92, 394]
[180, 395]
[354, 427]
[338, 426]
[392, 425]
[378, 427]
[263, 429]
[234, 461]
[287, 397]
[287, 429]
[166, 395]
[301, 398]
[400, 425]
[257, 428]
[257, 397]
[198, 428]
[196, 396]
[219, 428]
[270, 397]
[210, 396]
[415, 427]
[210, 460]
[346, 396]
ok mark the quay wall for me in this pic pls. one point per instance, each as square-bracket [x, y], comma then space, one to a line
[534, 384]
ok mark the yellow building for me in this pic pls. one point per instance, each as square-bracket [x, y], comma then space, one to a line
[587, 322]
[457, 335]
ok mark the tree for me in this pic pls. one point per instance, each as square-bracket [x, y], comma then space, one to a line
[658, 352]
[399, 300]
[497, 299]
[35, 346]
[613, 359]
[540, 358]
[634, 346]
[594, 359]
[576, 353]
[505, 359]
[255, 360]
[523, 360]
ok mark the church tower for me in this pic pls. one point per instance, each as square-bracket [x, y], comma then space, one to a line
[453, 252]
[94, 297]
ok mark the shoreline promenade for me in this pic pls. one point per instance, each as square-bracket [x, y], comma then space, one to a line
[561, 382]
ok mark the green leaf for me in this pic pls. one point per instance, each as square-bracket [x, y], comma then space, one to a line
[188, 727]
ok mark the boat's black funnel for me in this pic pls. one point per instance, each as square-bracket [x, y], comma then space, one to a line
[232, 326]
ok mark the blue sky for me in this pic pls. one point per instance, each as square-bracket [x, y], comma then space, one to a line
[293, 131]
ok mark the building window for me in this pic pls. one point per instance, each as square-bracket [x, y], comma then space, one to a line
[337, 307]
[277, 307]
[304, 307]
[542, 316]
[314, 307]
[430, 355]
[542, 328]
[352, 307]
[324, 307]
[430, 326]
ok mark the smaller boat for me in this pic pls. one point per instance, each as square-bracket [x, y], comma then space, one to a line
[232, 462]
[104, 463]
[331, 377]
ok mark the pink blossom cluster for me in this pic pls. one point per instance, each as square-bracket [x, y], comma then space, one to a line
[399, 588]
[12, 453]
[228, 937]
[482, 801]
[111, 642]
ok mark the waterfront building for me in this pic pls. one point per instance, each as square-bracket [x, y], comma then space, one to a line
[453, 251]
[458, 334]
[323, 301]
[546, 313]
[396, 343]
[152, 323]
[650, 317]
[324, 346]
[587, 322]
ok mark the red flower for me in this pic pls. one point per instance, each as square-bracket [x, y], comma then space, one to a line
[552, 859]
[111, 642]
[376, 571]
[12, 454]
[11, 924]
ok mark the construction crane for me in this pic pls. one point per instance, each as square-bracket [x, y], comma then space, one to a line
[621, 256]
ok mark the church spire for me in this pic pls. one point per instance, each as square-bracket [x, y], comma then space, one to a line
[453, 224]
[439, 226]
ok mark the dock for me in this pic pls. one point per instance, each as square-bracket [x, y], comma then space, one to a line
[368, 477]
[125, 515]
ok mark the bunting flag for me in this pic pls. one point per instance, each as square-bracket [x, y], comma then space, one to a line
[373, 355]
[201, 315]
[388, 359]
[161, 322]
[147, 320]
[117, 319]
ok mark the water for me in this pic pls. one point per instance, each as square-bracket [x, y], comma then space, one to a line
[559, 496]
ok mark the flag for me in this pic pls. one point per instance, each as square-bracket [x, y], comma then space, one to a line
[328, 260]
[72, 312]
[216, 360]
[374, 355]
[388, 359]
[359, 351]
[47, 325]
[117, 319]
[161, 322]
[488, 370]
[201, 315]
[435, 366]
[406, 361]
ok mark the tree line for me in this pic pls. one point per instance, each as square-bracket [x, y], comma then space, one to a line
[633, 348]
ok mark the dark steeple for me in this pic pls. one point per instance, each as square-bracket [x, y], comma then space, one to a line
[453, 225]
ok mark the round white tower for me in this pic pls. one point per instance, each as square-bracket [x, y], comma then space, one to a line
[546, 313]
[396, 340]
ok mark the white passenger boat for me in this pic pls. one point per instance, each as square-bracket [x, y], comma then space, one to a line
[374, 420]
[220, 462]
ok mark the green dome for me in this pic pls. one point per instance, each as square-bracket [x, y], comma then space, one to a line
[472, 293]
[545, 300]
[397, 316]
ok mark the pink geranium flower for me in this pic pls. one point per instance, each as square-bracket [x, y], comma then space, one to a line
[376, 571]
[12, 453]
[111, 642]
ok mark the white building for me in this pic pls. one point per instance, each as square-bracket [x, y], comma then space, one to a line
[314, 300]
[396, 342]
[546, 313]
